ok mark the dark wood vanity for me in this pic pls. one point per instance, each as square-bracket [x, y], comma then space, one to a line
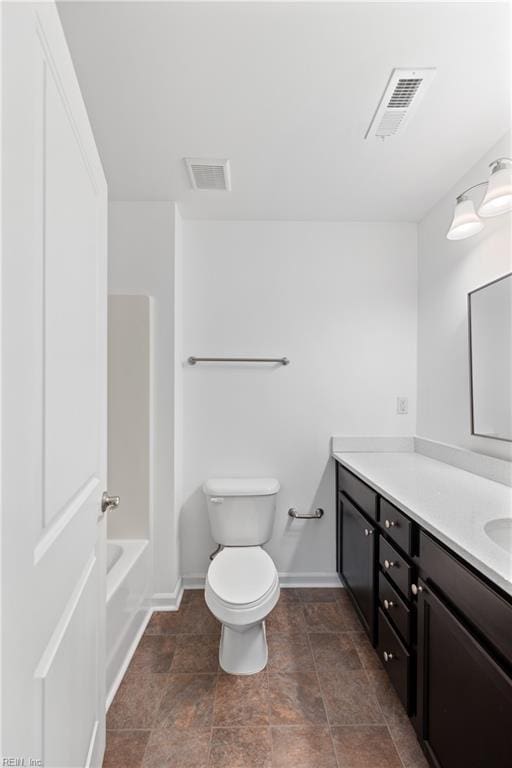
[442, 630]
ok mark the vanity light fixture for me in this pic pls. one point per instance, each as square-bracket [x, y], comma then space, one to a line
[497, 199]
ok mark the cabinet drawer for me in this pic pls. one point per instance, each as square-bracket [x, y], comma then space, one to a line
[396, 659]
[396, 567]
[397, 525]
[395, 608]
[485, 609]
[355, 489]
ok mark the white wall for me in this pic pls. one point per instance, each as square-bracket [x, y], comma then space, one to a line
[142, 260]
[447, 271]
[339, 299]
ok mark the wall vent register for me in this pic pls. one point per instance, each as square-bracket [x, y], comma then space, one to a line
[403, 93]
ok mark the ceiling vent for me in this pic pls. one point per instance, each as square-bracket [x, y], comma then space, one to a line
[403, 93]
[209, 174]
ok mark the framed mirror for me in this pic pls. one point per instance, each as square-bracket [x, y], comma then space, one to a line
[490, 359]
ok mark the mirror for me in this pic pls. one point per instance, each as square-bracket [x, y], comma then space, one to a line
[490, 359]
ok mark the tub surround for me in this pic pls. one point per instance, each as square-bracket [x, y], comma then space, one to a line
[452, 504]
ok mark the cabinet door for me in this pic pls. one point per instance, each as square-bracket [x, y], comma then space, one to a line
[358, 562]
[464, 697]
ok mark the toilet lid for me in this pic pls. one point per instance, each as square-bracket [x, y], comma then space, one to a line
[241, 575]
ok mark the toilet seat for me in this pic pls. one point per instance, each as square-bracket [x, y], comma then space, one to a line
[241, 575]
[242, 585]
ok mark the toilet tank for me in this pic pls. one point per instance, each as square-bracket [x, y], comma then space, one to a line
[241, 510]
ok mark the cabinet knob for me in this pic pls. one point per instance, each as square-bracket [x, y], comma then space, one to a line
[389, 523]
[389, 564]
[388, 604]
[368, 532]
[388, 656]
[415, 589]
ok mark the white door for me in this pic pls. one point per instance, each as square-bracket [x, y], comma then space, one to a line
[53, 378]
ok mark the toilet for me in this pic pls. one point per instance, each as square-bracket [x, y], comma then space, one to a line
[242, 584]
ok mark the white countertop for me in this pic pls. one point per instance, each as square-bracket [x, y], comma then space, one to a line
[451, 503]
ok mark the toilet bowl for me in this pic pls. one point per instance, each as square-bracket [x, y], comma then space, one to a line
[242, 587]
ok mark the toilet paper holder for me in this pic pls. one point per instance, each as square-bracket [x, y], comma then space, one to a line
[316, 515]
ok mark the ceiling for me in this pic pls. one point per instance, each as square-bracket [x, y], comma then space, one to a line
[286, 91]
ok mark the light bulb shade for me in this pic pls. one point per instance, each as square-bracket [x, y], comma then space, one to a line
[498, 197]
[465, 221]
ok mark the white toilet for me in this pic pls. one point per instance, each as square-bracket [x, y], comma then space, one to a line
[242, 585]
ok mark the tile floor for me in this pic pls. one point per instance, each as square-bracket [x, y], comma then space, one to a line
[324, 700]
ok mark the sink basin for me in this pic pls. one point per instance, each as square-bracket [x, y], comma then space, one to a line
[500, 531]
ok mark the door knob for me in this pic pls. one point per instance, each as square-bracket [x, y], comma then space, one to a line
[389, 523]
[368, 532]
[388, 604]
[389, 564]
[388, 656]
[109, 502]
[416, 589]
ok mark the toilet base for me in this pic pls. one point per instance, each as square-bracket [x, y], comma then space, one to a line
[243, 650]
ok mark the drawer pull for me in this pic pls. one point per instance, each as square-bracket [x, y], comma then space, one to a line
[416, 589]
[389, 564]
[388, 604]
[388, 656]
[368, 532]
[390, 523]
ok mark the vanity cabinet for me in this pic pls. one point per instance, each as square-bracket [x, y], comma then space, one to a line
[442, 631]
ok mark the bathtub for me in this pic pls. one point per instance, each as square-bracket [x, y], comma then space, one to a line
[128, 569]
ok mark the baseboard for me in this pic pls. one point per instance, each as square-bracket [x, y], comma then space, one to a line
[194, 581]
[197, 580]
[168, 601]
[124, 666]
